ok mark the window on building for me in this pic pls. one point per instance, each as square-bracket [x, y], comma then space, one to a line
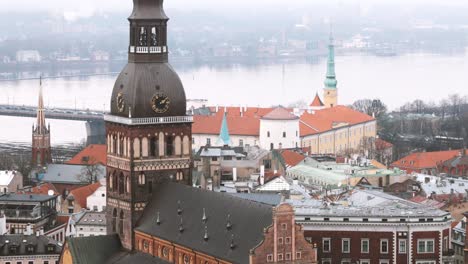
[326, 261]
[288, 241]
[364, 261]
[46, 262]
[384, 246]
[284, 226]
[208, 141]
[267, 164]
[268, 134]
[402, 246]
[280, 241]
[280, 257]
[384, 261]
[298, 255]
[427, 262]
[326, 244]
[241, 142]
[365, 245]
[345, 245]
[288, 256]
[270, 258]
[284, 134]
[425, 245]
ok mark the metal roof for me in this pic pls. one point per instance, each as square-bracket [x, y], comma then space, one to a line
[63, 173]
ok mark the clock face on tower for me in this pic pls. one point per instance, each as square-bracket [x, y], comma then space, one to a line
[160, 103]
[120, 101]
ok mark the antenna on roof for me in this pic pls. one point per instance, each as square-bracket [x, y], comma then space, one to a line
[158, 220]
[232, 245]
[204, 218]
[206, 237]
[229, 224]
[181, 225]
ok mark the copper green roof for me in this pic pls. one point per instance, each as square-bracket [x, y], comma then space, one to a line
[330, 81]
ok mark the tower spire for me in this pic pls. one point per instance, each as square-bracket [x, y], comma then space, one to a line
[224, 137]
[41, 127]
[330, 81]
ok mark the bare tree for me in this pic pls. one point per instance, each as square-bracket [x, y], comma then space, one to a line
[370, 107]
[90, 172]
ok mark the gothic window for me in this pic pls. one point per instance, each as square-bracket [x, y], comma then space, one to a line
[186, 146]
[121, 147]
[141, 179]
[114, 220]
[169, 146]
[121, 223]
[144, 147]
[127, 184]
[154, 147]
[154, 36]
[111, 182]
[114, 144]
[178, 146]
[143, 38]
[136, 147]
[121, 183]
[180, 176]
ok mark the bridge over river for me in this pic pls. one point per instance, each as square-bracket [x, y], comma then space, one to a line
[95, 129]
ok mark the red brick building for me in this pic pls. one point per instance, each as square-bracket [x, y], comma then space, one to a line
[456, 166]
[374, 227]
[41, 154]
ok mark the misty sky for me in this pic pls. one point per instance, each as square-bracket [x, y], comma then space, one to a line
[122, 5]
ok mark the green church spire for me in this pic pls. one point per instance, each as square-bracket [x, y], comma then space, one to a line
[330, 81]
[224, 137]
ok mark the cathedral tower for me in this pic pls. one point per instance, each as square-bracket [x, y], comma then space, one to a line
[330, 92]
[40, 136]
[148, 130]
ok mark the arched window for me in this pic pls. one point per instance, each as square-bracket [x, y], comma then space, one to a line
[111, 182]
[136, 148]
[143, 37]
[121, 223]
[121, 146]
[169, 146]
[154, 36]
[114, 220]
[141, 179]
[180, 176]
[144, 147]
[186, 146]
[161, 144]
[114, 144]
[127, 184]
[178, 146]
[154, 147]
[121, 183]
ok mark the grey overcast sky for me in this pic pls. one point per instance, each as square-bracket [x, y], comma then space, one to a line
[121, 5]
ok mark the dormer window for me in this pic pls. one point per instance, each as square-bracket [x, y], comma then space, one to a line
[30, 249]
[13, 249]
[50, 248]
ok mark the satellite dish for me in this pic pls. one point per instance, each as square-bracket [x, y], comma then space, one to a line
[50, 193]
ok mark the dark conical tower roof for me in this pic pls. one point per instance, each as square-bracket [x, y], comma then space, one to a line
[148, 86]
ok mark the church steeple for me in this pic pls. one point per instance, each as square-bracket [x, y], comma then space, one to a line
[330, 91]
[41, 154]
[224, 137]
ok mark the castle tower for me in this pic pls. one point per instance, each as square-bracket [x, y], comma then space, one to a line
[41, 154]
[330, 92]
[148, 130]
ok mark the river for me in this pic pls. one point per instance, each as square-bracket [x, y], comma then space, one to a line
[394, 80]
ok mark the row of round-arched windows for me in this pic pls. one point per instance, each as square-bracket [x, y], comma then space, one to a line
[154, 147]
[120, 183]
[152, 36]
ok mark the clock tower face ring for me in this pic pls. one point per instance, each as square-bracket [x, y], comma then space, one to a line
[160, 103]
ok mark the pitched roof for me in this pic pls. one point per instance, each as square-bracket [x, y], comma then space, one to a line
[422, 160]
[80, 194]
[93, 218]
[65, 173]
[6, 177]
[40, 244]
[291, 158]
[317, 102]
[382, 144]
[92, 154]
[132, 258]
[44, 188]
[456, 161]
[247, 232]
[327, 119]
[280, 113]
[94, 249]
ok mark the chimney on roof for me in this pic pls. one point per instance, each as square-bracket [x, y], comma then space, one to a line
[204, 218]
[262, 175]
[206, 237]
[158, 219]
[234, 174]
[181, 225]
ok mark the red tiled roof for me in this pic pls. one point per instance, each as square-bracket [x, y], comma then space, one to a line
[62, 219]
[44, 189]
[382, 144]
[422, 160]
[323, 120]
[280, 113]
[455, 223]
[248, 123]
[317, 102]
[80, 194]
[92, 154]
[291, 158]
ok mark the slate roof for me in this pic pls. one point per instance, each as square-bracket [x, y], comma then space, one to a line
[93, 219]
[64, 173]
[95, 249]
[12, 197]
[92, 154]
[139, 257]
[280, 113]
[248, 220]
[271, 199]
[40, 244]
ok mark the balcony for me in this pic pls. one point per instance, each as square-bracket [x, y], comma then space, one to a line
[148, 50]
